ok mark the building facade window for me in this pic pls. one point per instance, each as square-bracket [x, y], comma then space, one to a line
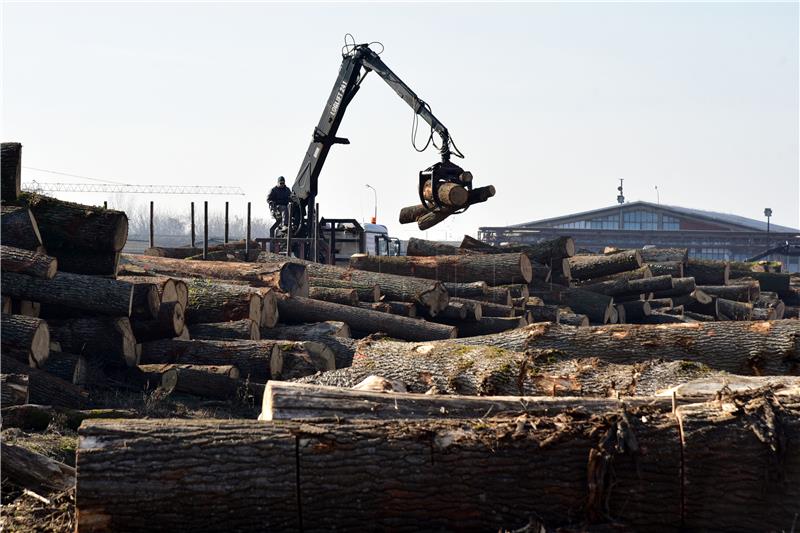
[640, 220]
[711, 253]
[606, 222]
[579, 224]
[670, 223]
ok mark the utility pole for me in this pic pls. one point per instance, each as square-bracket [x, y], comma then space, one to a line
[768, 214]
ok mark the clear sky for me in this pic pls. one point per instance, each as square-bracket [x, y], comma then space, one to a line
[551, 103]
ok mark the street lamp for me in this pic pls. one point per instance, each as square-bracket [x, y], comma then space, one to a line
[375, 213]
[767, 213]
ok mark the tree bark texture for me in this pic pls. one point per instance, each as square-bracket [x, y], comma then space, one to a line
[547, 252]
[169, 323]
[584, 267]
[494, 269]
[449, 194]
[467, 290]
[496, 295]
[768, 281]
[488, 309]
[306, 310]
[665, 255]
[68, 366]
[744, 292]
[284, 276]
[198, 382]
[430, 218]
[343, 347]
[23, 261]
[707, 272]
[487, 325]
[32, 417]
[732, 310]
[302, 332]
[109, 340]
[18, 228]
[10, 171]
[337, 296]
[304, 358]
[167, 287]
[13, 390]
[34, 471]
[89, 262]
[573, 319]
[367, 292]
[217, 302]
[237, 329]
[636, 311]
[673, 268]
[423, 248]
[45, 388]
[28, 335]
[542, 313]
[66, 225]
[594, 305]
[74, 291]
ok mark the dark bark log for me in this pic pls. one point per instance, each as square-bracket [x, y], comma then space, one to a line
[367, 292]
[254, 359]
[285, 276]
[516, 290]
[169, 323]
[487, 325]
[489, 309]
[303, 332]
[624, 287]
[698, 317]
[184, 252]
[680, 287]
[761, 313]
[145, 304]
[572, 319]
[337, 296]
[467, 290]
[305, 358]
[7, 304]
[23, 261]
[13, 390]
[411, 213]
[768, 281]
[455, 311]
[34, 471]
[744, 292]
[642, 272]
[406, 309]
[217, 302]
[45, 388]
[306, 310]
[26, 335]
[19, 229]
[423, 248]
[673, 269]
[89, 262]
[496, 295]
[598, 307]
[430, 219]
[661, 303]
[635, 312]
[109, 340]
[707, 272]
[73, 291]
[238, 329]
[68, 225]
[765, 348]
[542, 313]
[731, 310]
[494, 269]
[26, 307]
[32, 417]
[548, 252]
[665, 255]
[68, 366]
[10, 171]
[166, 287]
[663, 318]
[199, 382]
[591, 266]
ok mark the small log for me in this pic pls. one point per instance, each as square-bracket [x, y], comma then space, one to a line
[731, 310]
[467, 290]
[496, 295]
[304, 358]
[542, 313]
[10, 171]
[431, 218]
[238, 329]
[658, 317]
[68, 366]
[13, 390]
[406, 309]
[707, 272]
[743, 292]
[665, 255]
[489, 309]
[762, 313]
[680, 287]
[516, 290]
[495, 269]
[83, 261]
[591, 266]
[109, 340]
[455, 311]
[28, 336]
[698, 317]
[660, 303]
[32, 417]
[167, 287]
[367, 292]
[285, 276]
[18, 228]
[196, 381]
[449, 194]
[229, 371]
[489, 324]
[73, 291]
[34, 471]
[169, 323]
[301, 310]
[674, 269]
[424, 248]
[636, 311]
[27, 262]
[573, 319]
[303, 332]
[217, 302]
[45, 388]
[337, 296]
[547, 252]
[68, 225]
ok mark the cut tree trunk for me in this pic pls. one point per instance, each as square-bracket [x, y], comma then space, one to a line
[33, 417]
[665, 255]
[304, 358]
[23, 261]
[303, 332]
[229, 371]
[167, 287]
[598, 307]
[488, 309]
[424, 248]
[449, 194]
[146, 303]
[680, 287]
[406, 309]
[13, 390]
[196, 381]
[762, 313]
[367, 292]
[548, 252]
[285, 276]
[487, 325]
[45, 388]
[68, 366]
[707, 272]
[635, 311]
[337, 296]
[34, 471]
[467, 290]
[698, 317]
[542, 313]
[73, 291]
[572, 319]
[429, 219]
[674, 269]
[768, 281]
[238, 329]
[306, 310]
[495, 269]
[455, 311]
[732, 310]
[517, 290]
[169, 323]
[27, 335]
[591, 266]
[109, 340]
[82, 261]
[68, 225]
[496, 295]
[19, 229]
[217, 302]
[744, 292]
[10, 171]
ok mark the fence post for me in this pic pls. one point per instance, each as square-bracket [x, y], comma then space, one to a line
[226, 222]
[152, 240]
[193, 239]
[247, 237]
[205, 229]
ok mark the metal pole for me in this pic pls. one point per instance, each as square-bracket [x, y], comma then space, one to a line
[105, 204]
[289, 233]
[247, 237]
[152, 241]
[226, 222]
[315, 234]
[205, 229]
[193, 239]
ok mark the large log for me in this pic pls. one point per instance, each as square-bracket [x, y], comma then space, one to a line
[707, 272]
[598, 307]
[635, 311]
[238, 329]
[34, 471]
[73, 291]
[367, 292]
[334, 335]
[285, 276]
[572, 319]
[732, 310]
[304, 358]
[765, 348]
[674, 269]
[623, 287]
[18, 228]
[496, 295]
[467, 290]
[300, 309]
[547, 252]
[584, 267]
[743, 292]
[45, 388]
[680, 287]
[487, 325]
[768, 281]
[68, 366]
[27, 262]
[487, 309]
[167, 287]
[219, 302]
[26, 335]
[33, 417]
[337, 296]
[109, 340]
[229, 371]
[449, 194]
[82, 261]
[13, 390]
[423, 248]
[66, 225]
[542, 313]
[10, 171]
[665, 255]
[195, 380]
[169, 323]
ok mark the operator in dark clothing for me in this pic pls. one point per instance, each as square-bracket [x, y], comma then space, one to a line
[278, 201]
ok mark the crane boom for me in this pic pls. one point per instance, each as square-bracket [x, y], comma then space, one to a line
[40, 187]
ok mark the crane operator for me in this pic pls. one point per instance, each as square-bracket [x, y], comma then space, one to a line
[278, 201]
